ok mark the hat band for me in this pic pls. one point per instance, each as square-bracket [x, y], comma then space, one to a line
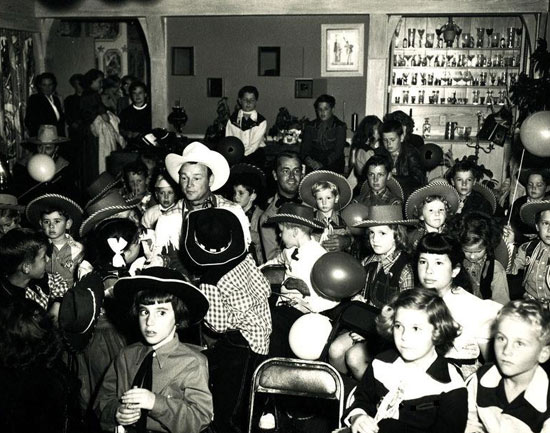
[212, 250]
[93, 315]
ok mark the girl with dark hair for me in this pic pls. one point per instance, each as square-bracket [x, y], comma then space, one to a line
[439, 261]
[413, 388]
[365, 140]
[324, 138]
[37, 392]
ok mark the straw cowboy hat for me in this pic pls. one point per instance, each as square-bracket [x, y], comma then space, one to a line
[528, 212]
[47, 134]
[198, 152]
[385, 215]
[243, 168]
[166, 280]
[8, 201]
[344, 188]
[46, 202]
[106, 207]
[439, 188]
[296, 214]
[487, 194]
[392, 184]
[79, 311]
[213, 236]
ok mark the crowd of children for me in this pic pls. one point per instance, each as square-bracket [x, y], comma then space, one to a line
[177, 247]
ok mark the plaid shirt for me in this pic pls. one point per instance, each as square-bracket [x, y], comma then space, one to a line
[65, 260]
[370, 198]
[57, 288]
[406, 280]
[240, 302]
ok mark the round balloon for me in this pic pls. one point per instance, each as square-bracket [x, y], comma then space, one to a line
[431, 155]
[41, 167]
[308, 335]
[535, 133]
[338, 275]
[232, 149]
[354, 213]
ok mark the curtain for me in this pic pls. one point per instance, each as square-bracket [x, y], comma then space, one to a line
[17, 70]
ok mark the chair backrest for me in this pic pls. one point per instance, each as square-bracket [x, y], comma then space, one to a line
[275, 274]
[298, 377]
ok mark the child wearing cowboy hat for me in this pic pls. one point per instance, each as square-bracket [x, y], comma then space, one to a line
[328, 193]
[238, 321]
[159, 383]
[432, 204]
[389, 272]
[533, 257]
[56, 215]
[296, 223]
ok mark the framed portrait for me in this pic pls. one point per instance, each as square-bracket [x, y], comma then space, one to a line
[112, 62]
[303, 89]
[214, 87]
[183, 61]
[342, 48]
[269, 61]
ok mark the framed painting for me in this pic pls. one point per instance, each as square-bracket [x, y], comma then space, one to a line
[269, 61]
[183, 61]
[342, 49]
[303, 89]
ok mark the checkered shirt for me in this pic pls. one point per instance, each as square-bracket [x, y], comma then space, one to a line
[240, 302]
[57, 285]
[406, 280]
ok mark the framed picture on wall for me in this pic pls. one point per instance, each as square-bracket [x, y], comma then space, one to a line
[183, 61]
[214, 87]
[269, 61]
[342, 47]
[303, 88]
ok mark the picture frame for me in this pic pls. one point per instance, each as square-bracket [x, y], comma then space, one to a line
[269, 61]
[303, 89]
[342, 50]
[214, 87]
[183, 61]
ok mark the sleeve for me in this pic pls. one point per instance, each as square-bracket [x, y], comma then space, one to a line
[365, 395]
[473, 424]
[193, 412]
[107, 400]
[453, 411]
[58, 286]
[338, 151]
[519, 261]
[406, 281]
[217, 314]
[257, 135]
[499, 286]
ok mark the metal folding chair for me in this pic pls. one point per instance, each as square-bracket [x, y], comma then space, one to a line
[296, 377]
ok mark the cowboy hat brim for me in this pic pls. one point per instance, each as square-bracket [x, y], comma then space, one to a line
[392, 184]
[198, 152]
[245, 168]
[36, 207]
[199, 253]
[155, 279]
[528, 212]
[440, 188]
[372, 223]
[295, 219]
[59, 140]
[487, 195]
[95, 218]
[104, 190]
[344, 188]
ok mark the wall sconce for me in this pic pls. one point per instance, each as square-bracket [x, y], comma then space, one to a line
[450, 31]
[178, 117]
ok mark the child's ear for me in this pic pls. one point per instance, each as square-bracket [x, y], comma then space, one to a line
[544, 354]
[456, 271]
[253, 196]
[336, 199]
[69, 223]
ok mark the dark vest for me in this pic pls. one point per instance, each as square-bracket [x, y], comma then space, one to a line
[381, 287]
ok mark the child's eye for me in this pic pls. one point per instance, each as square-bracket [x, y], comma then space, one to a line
[396, 326]
[142, 312]
[162, 313]
[499, 338]
[415, 328]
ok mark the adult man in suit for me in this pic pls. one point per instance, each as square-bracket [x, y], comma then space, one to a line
[45, 108]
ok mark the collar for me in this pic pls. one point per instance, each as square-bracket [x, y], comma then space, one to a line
[252, 115]
[163, 352]
[536, 392]
[210, 201]
[438, 369]
[143, 107]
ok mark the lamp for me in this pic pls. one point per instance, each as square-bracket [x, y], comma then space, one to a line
[450, 30]
[178, 117]
[5, 174]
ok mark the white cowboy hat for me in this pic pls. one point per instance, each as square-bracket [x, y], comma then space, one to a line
[198, 152]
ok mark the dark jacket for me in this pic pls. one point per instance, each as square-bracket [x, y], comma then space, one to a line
[325, 146]
[40, 112]
[476, 202]
[409, 170]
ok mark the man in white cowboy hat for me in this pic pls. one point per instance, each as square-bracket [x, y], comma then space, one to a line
[533, 257]
[199, 172]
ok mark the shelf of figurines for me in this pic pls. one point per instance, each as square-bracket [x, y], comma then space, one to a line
[395, 105]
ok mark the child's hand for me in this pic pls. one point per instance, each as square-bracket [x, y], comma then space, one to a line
[364, 424]
[336, 243]
[127, 414]
[297, 284]
[142, 398]
[356, 338]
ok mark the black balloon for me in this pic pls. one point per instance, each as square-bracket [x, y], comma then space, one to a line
[338, 275]
[232, 149]
[431, 155]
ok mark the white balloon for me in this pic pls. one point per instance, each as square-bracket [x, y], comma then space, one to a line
[308, 335]
[41, 167]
